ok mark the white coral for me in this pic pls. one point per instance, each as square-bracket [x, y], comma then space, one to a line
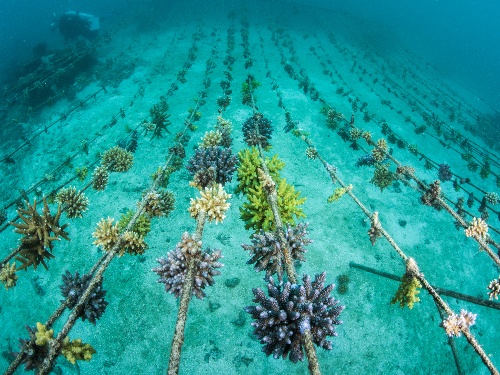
[477, 229]
[213, 201]
[455, 324]
[494, 288]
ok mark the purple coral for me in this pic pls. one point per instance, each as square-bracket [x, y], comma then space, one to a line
[266, 249]
[212, 164]
[257, 130]
[74, 286]
[173, 269]
[445, 172]
[282, 319]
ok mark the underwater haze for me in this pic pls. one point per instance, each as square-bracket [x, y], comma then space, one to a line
[250, 187]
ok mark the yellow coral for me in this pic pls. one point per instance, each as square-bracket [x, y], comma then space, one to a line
[8, 275]
[133, 243]
[106, 234]
[76, 350]
[213, 201]
[211, 138]
[43, 336]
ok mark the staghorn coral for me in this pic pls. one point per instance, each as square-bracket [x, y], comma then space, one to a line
[257, 214]
[106, 234]
[8, 276]
[100, 178]
[477, 229]
[72, 289]
[248, 163]
[355, 134]
[40, 231]
[375, 230]
[173, 268]
[333, 118]
[133, 243]
[456, 323]
[117, 159]
[282, 318]
[159, 203]
[266, 249]
[257, 130]
[159, 118]
[76, 350]
[211, 165]
[142, 226]
[494, 288]
[213, 201]
[75, 202]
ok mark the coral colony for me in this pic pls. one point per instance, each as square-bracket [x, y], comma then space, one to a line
[292, 314]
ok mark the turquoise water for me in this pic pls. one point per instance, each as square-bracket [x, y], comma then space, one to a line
[350, 69]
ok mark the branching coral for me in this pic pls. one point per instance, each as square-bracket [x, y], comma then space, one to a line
[76, 350]
[159, 119]
[477, 229]
[407, 291]
[494, 288]
[173, 268]
[213, 201]
[290, 310]
[338, 193]
[142, 226]
[380, 150]
[211, 165]
[257, 130]
[73, 288]
[257, 214]
[267, 252]
[40, 231]
[106, 234]
[375, 230]
[431, 195]
[212, 138]
[455, 324]
[224, 127]
[382, 176]
[8, 275]
[406, 295]
[248, 163]
[311, 152]
[492, 198]
[444, 172]
[117, 159]
[42, 334]
[100, 178]
[159, 203]
[133, 243]
[75, 202]
[33, 354]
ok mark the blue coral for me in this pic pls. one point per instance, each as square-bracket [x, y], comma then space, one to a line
[257, 130]
[290, 310]
[210, 165]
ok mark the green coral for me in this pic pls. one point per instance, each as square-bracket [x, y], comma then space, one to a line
[42, 334]
[248, 162]
[407, 291]
[257, 213]
[338, 193]
[82, 173]
[382, 176]
[142, 226]
[76, 350]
